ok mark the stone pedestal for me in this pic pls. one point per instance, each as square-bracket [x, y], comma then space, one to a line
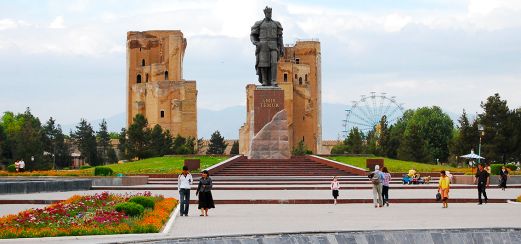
[267, 101]
[270, 125]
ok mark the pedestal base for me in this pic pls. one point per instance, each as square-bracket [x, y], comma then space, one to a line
[272, 141]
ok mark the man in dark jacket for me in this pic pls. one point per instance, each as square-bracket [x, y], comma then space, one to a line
[483, 181]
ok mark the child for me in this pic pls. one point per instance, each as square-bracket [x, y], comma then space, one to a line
[335, 186]
[443, 188]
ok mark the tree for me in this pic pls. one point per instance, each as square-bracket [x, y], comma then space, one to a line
[106, 151]
[396, 132]
[414, 146]
[138, 138]
[515, 120]
[157, 141]
[86, 141]
[495, 120]
[235, 148]
[2, 143]
[430, 125]
[355, 141]
[300, 149]
[217, 144]
[24, 139]
[122, 147]
[57, 150]
[465, 137]
[200, 145]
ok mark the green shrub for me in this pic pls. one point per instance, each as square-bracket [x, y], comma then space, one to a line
[512, 167]
[495, 168]
[129, 208]
[85, 167]
[340, 149]
[103, 171]
[66, 168]
[146, 202]
[11, 168]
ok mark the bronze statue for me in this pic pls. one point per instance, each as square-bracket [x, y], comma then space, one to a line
[266, 35]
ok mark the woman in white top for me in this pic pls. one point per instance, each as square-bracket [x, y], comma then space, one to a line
[335, 186]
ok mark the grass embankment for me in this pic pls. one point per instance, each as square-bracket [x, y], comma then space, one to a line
[395, 165]
[158, 165]
[162, 165]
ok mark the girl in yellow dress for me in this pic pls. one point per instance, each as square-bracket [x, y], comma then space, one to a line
[443, 188]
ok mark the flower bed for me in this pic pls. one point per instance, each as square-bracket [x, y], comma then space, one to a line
[87, 172]
[86, 215]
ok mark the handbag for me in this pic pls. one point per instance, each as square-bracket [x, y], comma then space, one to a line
[438, 196]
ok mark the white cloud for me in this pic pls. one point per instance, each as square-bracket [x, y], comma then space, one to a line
[57, 23]
[395, 22]
[6, 24]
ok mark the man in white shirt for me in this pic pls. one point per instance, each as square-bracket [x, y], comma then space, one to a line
[184, 182]
[22, 166]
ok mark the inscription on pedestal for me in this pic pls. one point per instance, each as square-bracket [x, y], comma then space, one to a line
[266, 103]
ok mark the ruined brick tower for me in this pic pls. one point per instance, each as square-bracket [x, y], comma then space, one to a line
[299, 75]
[155, 84]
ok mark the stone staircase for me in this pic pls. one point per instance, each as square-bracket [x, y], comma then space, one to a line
[297, 166]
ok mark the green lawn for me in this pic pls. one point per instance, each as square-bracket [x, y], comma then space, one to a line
[162, 165]
[395, 165]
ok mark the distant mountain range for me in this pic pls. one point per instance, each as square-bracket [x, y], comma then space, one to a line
[229, 120]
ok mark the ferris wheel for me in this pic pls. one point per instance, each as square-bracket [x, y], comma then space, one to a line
[367, 112]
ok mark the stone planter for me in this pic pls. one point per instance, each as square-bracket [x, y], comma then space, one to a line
[120, 181]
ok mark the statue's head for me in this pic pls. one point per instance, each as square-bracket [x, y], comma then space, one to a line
[267, 12]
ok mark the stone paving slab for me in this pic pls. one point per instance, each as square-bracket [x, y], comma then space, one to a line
[265, 219]
[285, 194]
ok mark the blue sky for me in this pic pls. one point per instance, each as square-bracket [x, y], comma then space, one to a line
[66, 59]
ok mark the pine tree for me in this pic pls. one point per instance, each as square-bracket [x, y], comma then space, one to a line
[86, 142]
[355, 141]
[105, 145]
[138, 138]
[122, 147]
[58, 151]
[217, 144]
[496, 145]
[157, 141]
[235, 148]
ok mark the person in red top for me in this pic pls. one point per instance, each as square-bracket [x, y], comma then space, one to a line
[335, 186]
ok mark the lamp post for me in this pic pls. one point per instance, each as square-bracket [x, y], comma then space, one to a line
[481, 130]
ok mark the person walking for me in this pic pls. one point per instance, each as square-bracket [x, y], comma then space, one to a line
[335, 187]
[443, 188]
[503, 177]
[376, 178]
[17, 166]
[204, 191]
[483, 181]
[385, 186]
[184, 183]
[21, 166]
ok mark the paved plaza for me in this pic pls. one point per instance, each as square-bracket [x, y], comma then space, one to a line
[289, 218]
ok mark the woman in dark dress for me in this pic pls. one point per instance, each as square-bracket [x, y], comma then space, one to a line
[503, 176]
[204, 191]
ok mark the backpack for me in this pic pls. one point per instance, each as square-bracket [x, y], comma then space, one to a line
[375, 179]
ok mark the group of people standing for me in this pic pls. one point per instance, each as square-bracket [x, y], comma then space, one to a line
[380, 184]
[481, 180]
[380, 181]
[19, 165]
[203, 191]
